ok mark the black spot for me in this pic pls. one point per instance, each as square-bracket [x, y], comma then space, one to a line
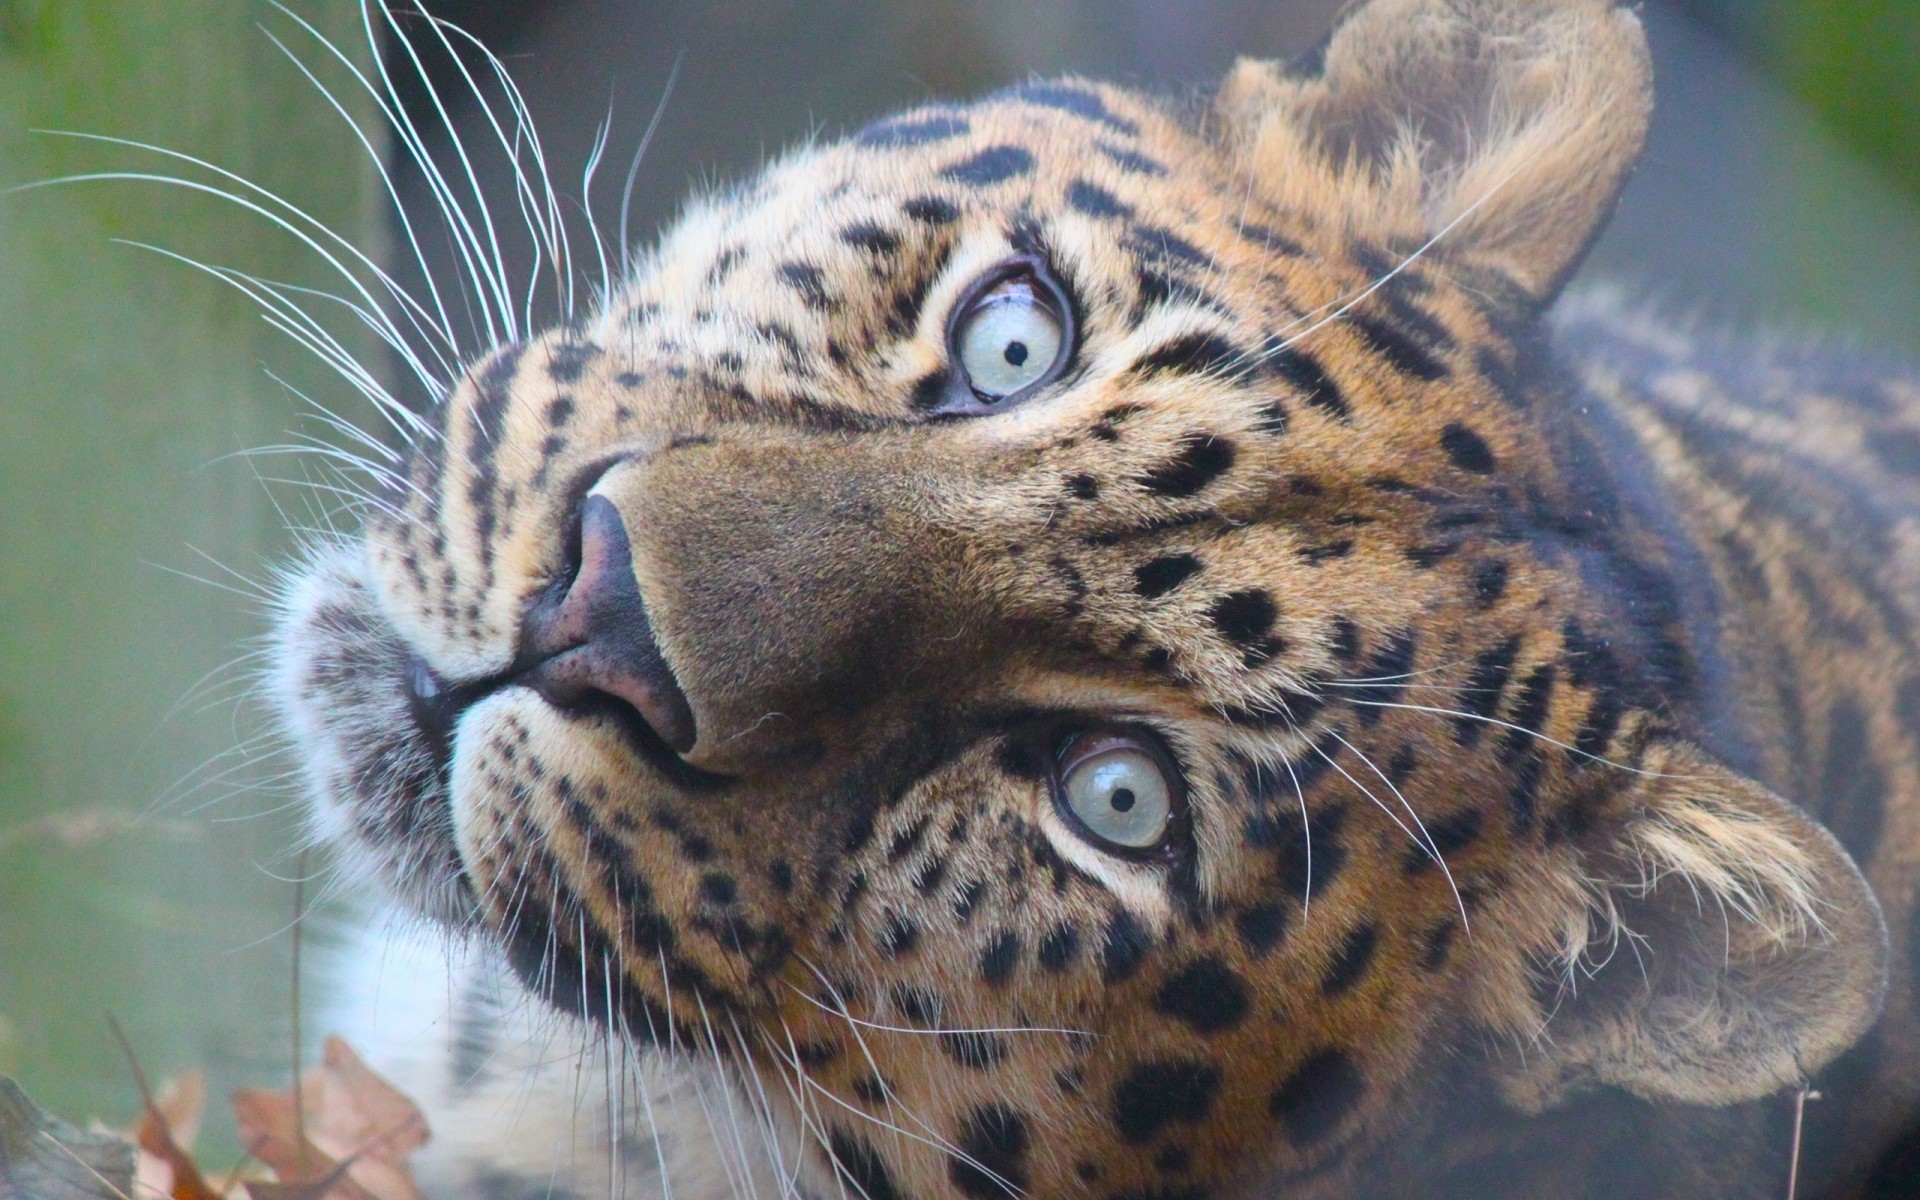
[918, 1005]
[1243, 617]
[900, 936]
[974, 1050]
[1201, 459]
[1157, 1094]
[859, 832]
[1345, 642]
[931, 210]
[1274, 418]
[867, 236]
[908, 840]
[1156, 577]
[1489, 582]
[1078, 101]
[1303, 373]
[1197, 353]
[816, 1054]
[969, 898]
[1206, 994]
[930, 876]
[1486, 687]
[806, 279]
[567, 361]
[1313, 556]
[1449, 835]
[1059, 946]
[1404, 353]
[1351, 961]
[1154, 287]
[1317, 1097]
[993, 1140]
[1174, 1160]
[1437, 946]
[1270, 238]
[559, 410]
[1261, 927]
[1386, 674]
[1000, 957]
[718, 887]
[1287, 833]
[1125, 946]
[1154, 241]
[1083, 487]
[861, 1165]
[870, 1090]
[1425, 557]
[1597, 729]
[1404, 762]
[1467, 449]
[1130, 160]
[1529, 712]
[931, 391]
[1095, 201]
[995, 164]
[913, 132]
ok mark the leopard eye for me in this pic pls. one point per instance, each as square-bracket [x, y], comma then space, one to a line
[1118, 790]
[1011, 334]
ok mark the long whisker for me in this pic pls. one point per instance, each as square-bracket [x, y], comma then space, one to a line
[883, 1028]
[479, 248]
[1546, 739]
[1425, 838]
[439, 324]
[639, 153]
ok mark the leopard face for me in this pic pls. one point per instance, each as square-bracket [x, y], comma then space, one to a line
[1076, 648]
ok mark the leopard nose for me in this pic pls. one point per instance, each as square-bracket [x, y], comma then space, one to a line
[593, 642]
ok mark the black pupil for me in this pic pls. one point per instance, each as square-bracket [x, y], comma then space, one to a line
[1016, 353]
[1122, 799]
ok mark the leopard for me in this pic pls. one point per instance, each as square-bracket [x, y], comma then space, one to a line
[1086, 644]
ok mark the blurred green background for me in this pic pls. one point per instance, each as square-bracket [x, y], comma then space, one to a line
[144, 835]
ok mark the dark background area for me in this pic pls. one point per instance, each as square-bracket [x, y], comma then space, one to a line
[1779, 186]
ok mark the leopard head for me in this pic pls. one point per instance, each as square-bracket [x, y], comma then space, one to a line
[1080, 648]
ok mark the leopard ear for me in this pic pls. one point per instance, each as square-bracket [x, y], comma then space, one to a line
[1728, 948]
[1507, 125]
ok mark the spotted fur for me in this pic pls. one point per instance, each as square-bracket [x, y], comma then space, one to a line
[1516, 665]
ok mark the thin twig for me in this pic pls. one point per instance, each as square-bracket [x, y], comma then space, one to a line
[1800, 1098]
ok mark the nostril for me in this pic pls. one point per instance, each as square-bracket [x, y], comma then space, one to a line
[593, 639]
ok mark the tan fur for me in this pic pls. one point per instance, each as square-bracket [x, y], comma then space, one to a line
[1485, 871]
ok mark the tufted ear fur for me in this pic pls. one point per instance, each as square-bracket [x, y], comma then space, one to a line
[1725, 947]
[1509, 124]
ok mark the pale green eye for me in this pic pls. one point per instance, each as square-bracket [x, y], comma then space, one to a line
[1009, 339]
[1120, 792]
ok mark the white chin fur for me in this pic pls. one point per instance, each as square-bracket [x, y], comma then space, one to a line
[521, 1100]
[339, 694]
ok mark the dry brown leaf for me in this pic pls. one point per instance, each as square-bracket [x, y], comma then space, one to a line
[169, 1118]
[360, 1131]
